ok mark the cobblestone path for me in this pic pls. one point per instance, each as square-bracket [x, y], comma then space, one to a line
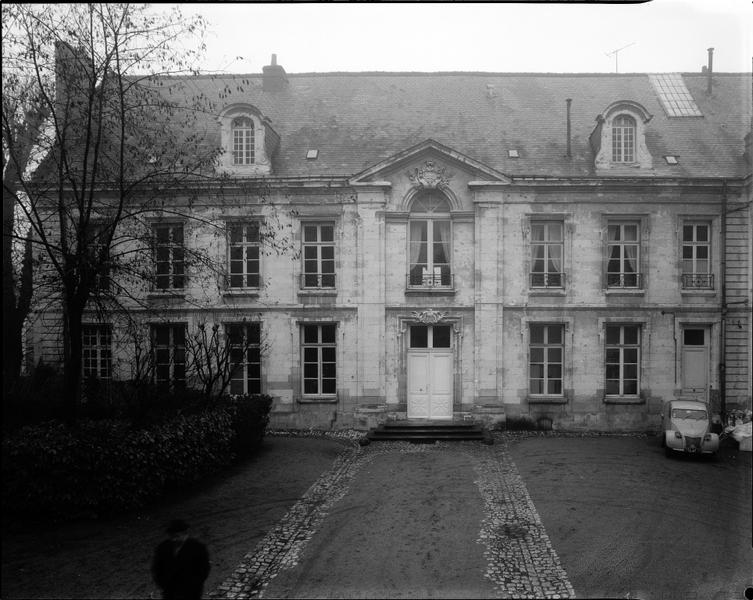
[521, 562]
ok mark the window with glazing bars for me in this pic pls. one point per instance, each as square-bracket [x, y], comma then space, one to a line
[169, 255]
[696, 256]
[243, 141]
[546, 254]
[96, 351]
[244, 254]
[623, 139]
[319, 350]
[100, 256]
[622, 360]
[318, 255]
[546, 354]
[169, 347]
[623, 255]
[244, 340]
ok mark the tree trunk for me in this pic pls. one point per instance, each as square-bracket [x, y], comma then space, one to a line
[72, 360]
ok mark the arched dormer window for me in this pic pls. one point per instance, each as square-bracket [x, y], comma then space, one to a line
[619, 139]
[243, 141]
[247, 141]
[430, 242]
[623, 139]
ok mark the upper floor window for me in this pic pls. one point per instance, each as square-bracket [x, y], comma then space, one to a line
[244, 340]
[547, 254]
[430, 242]
[318, 255]
[243, 141]
[623, 255]
[169, 346]
[243, 254]
[169, 257]
[99, 254]
[696, 256]
[96, 351]
[623, 139]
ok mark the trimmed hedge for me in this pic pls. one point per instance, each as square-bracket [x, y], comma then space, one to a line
[52, 471]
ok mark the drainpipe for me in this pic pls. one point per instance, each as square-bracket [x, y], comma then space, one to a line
[723, 324]
[569, 153]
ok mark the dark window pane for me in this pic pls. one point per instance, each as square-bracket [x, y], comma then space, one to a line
[328, 334]
[537, 371]
[328, 252]
[687, 233]
[613, 387]
[328, 233]
[630, 371]
[702, 251]
[537, 334]
[613, 355]
[442, 336]
[329, 386]
[554, 371]
[630, 355]
[631, 335]
[328, 354]
[310, 233]
[693, 337]
[630, 387]
[613, 335]
[555, 334]
[328, 370]
[419, 337]
[554, 355]
[613, 371]
[537, 386]
[310, 386]
[310, 370]
[537, 355]
[310, 334]
[702, 233]
[310, 355]
[236, 386]
[554, 387]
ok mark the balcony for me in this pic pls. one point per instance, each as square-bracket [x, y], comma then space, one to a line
[547, 280]
[700, 281]
[425, 280]
[624, 281]
[317, 281]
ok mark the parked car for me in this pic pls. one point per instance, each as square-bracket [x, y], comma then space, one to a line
[687, 428]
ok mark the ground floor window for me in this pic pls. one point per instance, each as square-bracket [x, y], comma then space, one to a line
[319, 351]
[245, 357]
[97, 351]
[622, 360]
[169, 344]
[546, 353]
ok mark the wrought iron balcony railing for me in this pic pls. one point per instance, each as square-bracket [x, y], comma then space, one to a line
[430, 280]
[630, 281]
[698, 281]
[547, 280]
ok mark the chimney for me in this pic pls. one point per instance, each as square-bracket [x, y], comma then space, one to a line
[710, 71]
[274, 78]
[569, 153]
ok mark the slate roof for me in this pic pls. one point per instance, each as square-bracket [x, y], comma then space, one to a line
[356, 120]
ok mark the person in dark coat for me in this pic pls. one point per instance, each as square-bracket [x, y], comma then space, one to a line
[181, 564]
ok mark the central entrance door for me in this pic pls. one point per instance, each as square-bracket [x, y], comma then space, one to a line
[430, 366]
[695, 363]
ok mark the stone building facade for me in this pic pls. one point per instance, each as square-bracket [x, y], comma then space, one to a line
[471, 246]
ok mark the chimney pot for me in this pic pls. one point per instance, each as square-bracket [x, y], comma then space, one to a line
[710, 71]
[274, 59]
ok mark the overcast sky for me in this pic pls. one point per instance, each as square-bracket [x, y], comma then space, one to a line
[661, 36]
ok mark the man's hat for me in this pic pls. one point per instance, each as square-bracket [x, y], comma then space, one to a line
[177, 526]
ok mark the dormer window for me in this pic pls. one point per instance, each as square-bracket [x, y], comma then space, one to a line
[243, 141]
[247, 141]
[619, 139]
[623, 139]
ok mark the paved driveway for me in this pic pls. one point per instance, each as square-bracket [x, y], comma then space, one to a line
[537, 517]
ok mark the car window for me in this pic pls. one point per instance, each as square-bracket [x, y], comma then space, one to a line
[689, 413]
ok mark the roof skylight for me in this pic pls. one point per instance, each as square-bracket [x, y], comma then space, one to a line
[674, 95]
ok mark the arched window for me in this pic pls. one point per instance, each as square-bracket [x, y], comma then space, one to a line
[430, 243]
[243, 141]
[623, 139]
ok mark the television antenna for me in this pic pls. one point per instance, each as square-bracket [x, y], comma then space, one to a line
[615, 53]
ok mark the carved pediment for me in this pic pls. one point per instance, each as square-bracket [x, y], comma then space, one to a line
[430, 165]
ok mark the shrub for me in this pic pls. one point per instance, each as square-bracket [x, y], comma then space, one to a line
[52, 471]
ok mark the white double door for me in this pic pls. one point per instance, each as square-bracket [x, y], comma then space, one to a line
[430, 368]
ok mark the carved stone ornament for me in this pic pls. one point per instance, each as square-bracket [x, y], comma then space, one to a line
[429, 176]
[430, 316]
